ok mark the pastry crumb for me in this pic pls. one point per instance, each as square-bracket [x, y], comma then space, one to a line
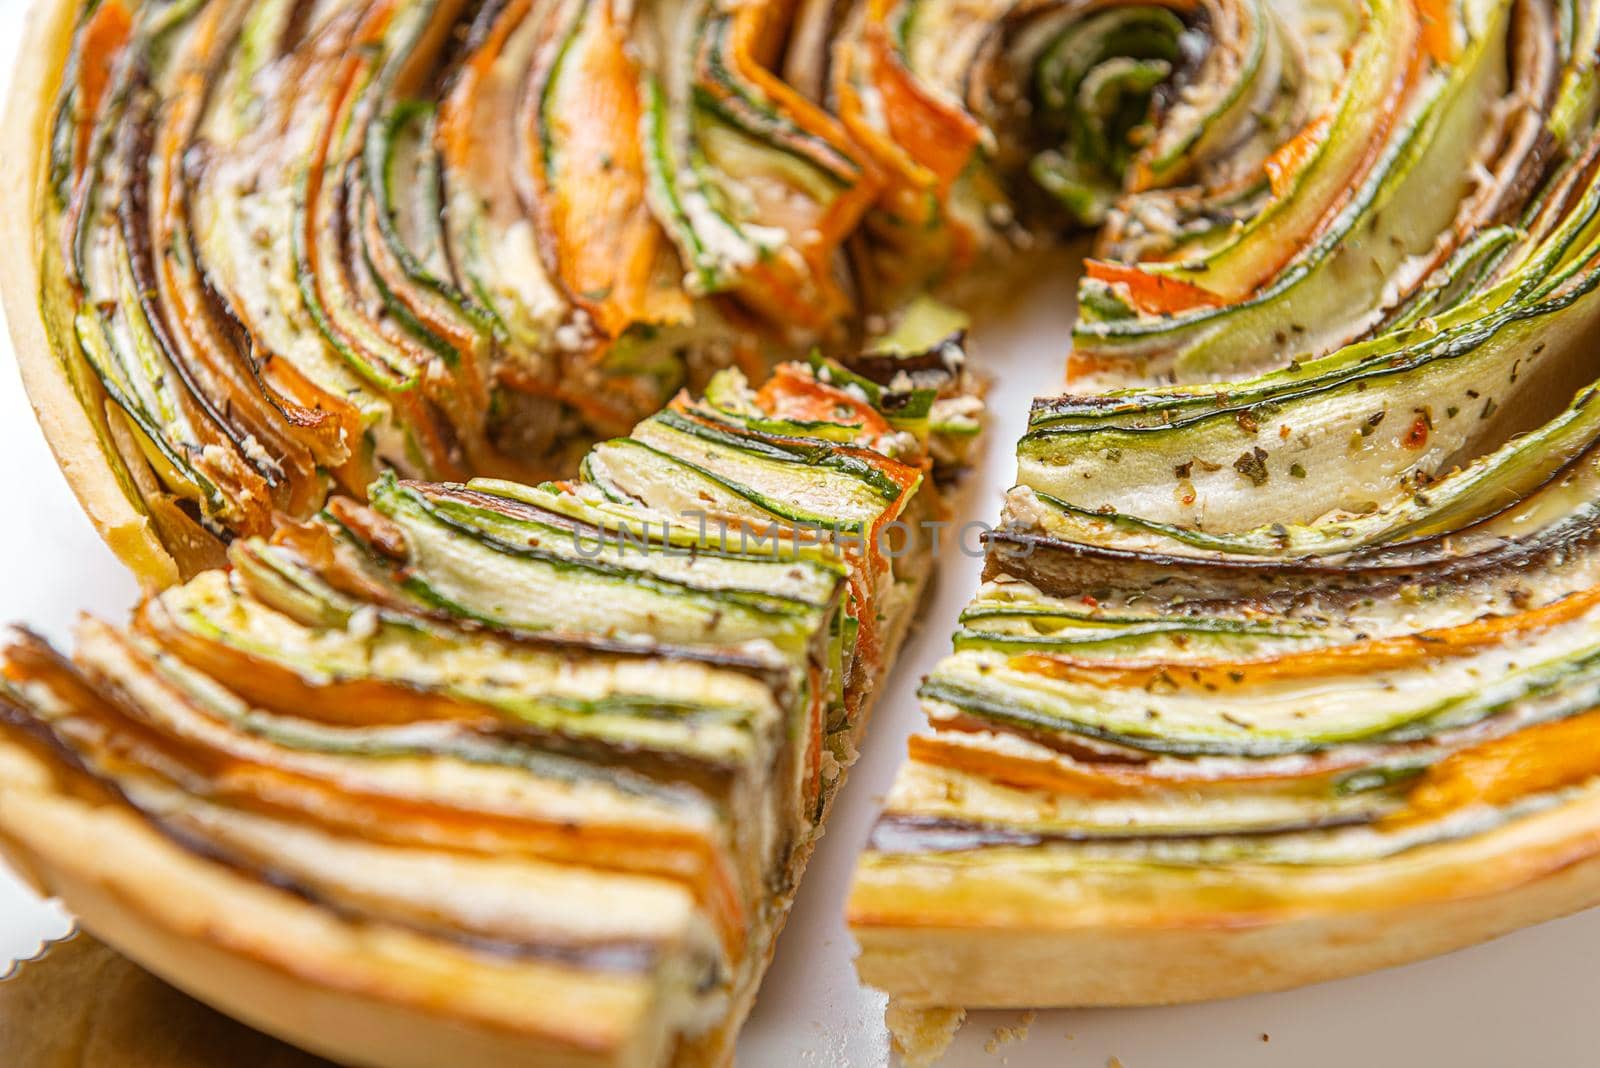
[920, 1036]
[1005, 1035]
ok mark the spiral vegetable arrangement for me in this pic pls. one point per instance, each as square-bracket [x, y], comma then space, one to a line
[1291, 675]
[1283, 667]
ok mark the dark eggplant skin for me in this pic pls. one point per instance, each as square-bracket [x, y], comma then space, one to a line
[1313, 584]
[897, 834]
[939, 363]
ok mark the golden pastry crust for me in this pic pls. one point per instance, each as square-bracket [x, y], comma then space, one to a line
[965, 938]
[41, 57]
[358, 994]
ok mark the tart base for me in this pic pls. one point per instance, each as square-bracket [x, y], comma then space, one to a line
[1037, 943]
[80, 1002]
[41, 56]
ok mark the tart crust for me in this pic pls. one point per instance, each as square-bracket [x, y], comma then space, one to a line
[41, 56]
[935, 938]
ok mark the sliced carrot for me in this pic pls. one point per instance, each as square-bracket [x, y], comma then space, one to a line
[1404, 85]
[918, 145]
[1098, 781]
[936, 135]
[1285, 165]
[341, 565]
[101, 40]
[332, 421]
[381, 817]
[104, 36]
[375, 22]
[1438, 38]
[780, 290]
[454, 126]
[341, 702]
[1547, 756]
[1386, 654]
[343, 101]
[602, 240]
[1082, 364]
[1156, 294]
[793, 393]
[296, 438]
[752, 31]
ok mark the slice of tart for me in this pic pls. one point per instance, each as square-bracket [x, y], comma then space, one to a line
[489, 772]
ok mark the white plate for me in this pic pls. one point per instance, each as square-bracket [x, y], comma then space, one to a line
[1524, 1000]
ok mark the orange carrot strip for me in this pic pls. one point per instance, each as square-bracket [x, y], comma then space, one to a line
[104, 36]
[792, 393]
[938, 137]
[601, 238]
[1383, 655]
[1437, 39]
[1547, 756]
[1284, 165]
[1156, 294]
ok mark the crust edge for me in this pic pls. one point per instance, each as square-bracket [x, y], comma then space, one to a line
[67, 429]
[1010, 963]
[112, 868]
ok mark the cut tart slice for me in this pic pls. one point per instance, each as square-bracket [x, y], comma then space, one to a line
[1282, 678]
[488, 771]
